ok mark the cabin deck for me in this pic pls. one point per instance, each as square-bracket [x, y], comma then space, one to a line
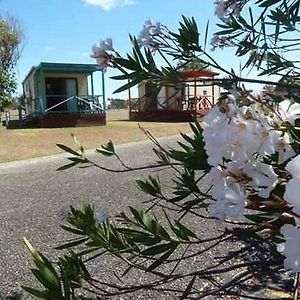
[70, 120]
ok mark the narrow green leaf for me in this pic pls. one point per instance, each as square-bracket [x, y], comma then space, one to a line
[158, 249]
[127, 86]
[34, 292]
[73, 230]
[104, 152]
[162, 258]
[206, 34]
[67, 166]
[68, 149]
[47, 279]
[188, 288]
[72, 243]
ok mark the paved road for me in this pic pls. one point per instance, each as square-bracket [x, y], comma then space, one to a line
[34, 199]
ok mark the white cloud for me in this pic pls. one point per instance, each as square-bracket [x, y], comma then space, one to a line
[108, 4]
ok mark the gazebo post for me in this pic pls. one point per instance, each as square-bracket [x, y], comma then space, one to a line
[167, 95]
[213, 90]
[129, 102]
[103, 91]
[195, 96]
[92, 85]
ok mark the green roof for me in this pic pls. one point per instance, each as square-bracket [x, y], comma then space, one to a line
[64, 68]
[68, 67]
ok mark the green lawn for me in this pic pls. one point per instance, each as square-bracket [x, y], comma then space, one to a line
[19, 144]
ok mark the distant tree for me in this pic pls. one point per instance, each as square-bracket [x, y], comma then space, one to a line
[193, 63]
[11, 40]
[7, 87]
[20, 100]
[118, 103]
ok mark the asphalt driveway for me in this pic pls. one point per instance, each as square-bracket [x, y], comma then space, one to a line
[34, 200]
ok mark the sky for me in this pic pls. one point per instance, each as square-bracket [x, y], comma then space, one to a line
[65, 30]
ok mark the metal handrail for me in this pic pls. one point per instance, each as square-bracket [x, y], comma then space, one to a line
[92, 105]
[58, 104]
[89, 103]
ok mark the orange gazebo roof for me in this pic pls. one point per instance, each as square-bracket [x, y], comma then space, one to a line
[198, 73]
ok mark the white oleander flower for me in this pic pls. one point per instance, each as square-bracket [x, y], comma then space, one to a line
[216, 131]
[284, 148]
[231, 204]
[220, 8]
[101, 51]
[215, 134]
[226, 8]
[242, 142]
[217, 178]
[292, 189]
[215, 140]
[290, 248]
[103, 61]
[292, 194]
[147, 34]
[294, 167]
[289, 111]
[268, 138]
[102, 46]
[264, 179]
[218, 41]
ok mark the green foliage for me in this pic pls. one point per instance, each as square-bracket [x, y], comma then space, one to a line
[46, 275]
[192, 155]
[58, 284]
[188, 37]
[260, 35]
[7, 88]
[10, 39]
[150, 186]
[108, 149]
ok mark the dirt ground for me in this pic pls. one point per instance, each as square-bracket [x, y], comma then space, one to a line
[117, 114]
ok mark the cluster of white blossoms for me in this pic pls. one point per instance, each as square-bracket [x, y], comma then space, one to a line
[226, 8]
[101, 53]
[218, 41]
[147, 34]
[238, 139]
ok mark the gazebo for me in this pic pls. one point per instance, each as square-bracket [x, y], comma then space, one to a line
[193, 97]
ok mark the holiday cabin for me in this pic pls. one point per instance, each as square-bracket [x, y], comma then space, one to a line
[57, 95]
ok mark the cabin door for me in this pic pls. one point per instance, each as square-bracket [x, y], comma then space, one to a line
[55, 94]
[71, 90]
